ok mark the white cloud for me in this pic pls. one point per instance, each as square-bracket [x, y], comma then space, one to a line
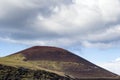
[117, 60]
[112, 66]
[90, 23]
[72, 19]
[108, 35]
[110, 9]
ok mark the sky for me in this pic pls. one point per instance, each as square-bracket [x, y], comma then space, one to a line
[88, 28]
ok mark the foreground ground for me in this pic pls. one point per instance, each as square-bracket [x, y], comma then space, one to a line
[12, 73]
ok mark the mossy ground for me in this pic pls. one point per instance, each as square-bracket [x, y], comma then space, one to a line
[16, 68]
[12, 73]
[18, 60]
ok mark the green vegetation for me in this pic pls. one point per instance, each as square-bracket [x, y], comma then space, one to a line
[20, 73]
[12, 73]
[18, 60]
[17, 67]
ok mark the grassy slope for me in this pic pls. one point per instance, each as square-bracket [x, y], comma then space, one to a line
[18, 61]
[12, 73]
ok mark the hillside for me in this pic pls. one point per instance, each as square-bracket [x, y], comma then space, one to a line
[21, 73]
[58, 61]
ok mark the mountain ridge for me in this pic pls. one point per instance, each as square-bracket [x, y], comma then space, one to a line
[56, 60]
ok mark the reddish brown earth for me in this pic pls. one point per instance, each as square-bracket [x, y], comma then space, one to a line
[85, 69]
[49, 53]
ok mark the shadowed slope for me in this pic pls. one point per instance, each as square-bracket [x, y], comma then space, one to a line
[60, 61]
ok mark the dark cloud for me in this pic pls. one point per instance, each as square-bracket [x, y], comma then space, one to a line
[60, 22]
[17, 19]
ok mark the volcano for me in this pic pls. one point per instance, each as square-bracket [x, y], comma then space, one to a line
[57, 60]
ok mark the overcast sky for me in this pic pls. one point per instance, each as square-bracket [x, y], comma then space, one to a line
[89, 28]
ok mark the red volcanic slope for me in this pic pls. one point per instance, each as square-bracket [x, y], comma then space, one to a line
[49, 53]
[84, 69]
